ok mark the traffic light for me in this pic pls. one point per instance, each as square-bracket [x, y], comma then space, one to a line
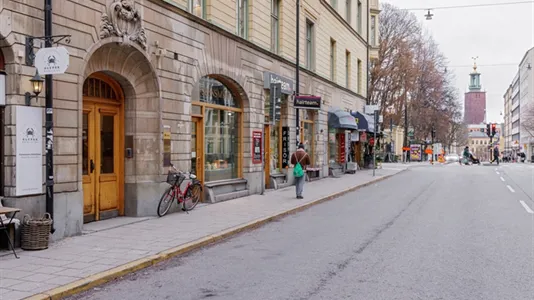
[488, 130]
[433, 133]
[493, 129]
[276, 101]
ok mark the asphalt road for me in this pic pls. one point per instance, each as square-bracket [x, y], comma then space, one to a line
[440, 232]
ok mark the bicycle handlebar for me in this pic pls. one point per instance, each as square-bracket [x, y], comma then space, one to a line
[181, 172]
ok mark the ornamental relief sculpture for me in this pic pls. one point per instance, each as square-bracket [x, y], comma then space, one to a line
[123, 19]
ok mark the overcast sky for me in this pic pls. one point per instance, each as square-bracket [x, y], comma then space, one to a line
[496, 34]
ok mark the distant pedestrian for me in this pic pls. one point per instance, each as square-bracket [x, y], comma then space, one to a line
[496, 155]
[300, 160]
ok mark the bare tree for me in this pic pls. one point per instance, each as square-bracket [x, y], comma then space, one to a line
[527, 119]
[410, 74]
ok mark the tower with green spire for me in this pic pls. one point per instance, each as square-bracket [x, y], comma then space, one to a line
[474, 83]
[475, 99]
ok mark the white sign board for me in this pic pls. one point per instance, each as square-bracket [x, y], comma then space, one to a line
[2, 88]
[54, 60]
[29, 150]
[370, 109]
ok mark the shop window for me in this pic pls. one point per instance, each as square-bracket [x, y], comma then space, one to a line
[221, 113]
[307, 135]
[332, 146]
[222, 144]
[275, 136]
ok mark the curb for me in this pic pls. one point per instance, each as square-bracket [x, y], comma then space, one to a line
[101, 278]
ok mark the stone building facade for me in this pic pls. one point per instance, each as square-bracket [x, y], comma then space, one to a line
[142, 72]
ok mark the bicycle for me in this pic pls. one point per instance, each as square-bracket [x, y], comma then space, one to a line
[191, 192]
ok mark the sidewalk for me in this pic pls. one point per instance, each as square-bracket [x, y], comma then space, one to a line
[99, 255]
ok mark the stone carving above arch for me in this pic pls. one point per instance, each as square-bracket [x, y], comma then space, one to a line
[124, 20]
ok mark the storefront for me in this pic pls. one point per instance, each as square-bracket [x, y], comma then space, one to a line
[278, 91]
[363, 149]
[341, 128]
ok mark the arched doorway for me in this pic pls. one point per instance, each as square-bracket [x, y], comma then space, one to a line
[217, 130]
[102, 148]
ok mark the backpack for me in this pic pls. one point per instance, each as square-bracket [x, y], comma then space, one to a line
[298, 171]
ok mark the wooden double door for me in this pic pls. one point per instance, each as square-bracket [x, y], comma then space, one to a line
[102, 165]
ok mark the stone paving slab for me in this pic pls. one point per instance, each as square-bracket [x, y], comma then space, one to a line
[96, 251]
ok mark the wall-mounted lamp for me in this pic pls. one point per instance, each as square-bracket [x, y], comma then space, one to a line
[2, 88]
[37, 86]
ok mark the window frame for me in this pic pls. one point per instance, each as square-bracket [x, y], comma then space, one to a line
[310, 45]
[348, 69]
[359, 17]
[373, 31]
[333, 59]
[275, 26]
[244, 14]
[348, 11]
[190, 4]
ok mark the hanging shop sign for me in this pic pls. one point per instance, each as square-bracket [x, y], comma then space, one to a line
[285, 147]
[256, 147]
[286, 84]
[29, 150]
[53, 60]
[307, 102]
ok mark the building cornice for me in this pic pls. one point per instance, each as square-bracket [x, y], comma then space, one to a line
[215, 28]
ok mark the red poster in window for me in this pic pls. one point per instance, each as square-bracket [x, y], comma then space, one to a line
[341, 150]
[256, 147]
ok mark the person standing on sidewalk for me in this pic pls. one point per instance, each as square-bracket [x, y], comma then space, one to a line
[300, 160]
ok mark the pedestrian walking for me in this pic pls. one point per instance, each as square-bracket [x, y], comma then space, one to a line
[300, 160]
[496, 155]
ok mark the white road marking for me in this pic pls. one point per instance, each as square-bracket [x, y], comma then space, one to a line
[502, 179]
[510, 188]
[497, 172]
[530, 211]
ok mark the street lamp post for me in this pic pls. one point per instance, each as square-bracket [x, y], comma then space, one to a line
[297, 81]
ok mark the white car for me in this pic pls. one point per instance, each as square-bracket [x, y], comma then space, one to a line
[452, 157]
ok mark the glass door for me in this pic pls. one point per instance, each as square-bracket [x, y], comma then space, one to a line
[197, 148]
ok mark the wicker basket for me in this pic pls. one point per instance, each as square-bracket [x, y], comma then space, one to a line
[35, 233]
[175, 178]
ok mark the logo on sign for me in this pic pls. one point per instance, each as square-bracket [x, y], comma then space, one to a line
[29, 135]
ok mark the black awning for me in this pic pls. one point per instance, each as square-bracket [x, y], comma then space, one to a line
[365, 122]
[338, 118]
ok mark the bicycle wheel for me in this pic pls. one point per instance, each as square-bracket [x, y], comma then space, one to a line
[192, 196]
[165, 202]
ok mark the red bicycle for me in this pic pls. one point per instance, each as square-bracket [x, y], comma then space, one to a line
[189, 198]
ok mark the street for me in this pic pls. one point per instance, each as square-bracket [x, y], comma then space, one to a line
[432, 232]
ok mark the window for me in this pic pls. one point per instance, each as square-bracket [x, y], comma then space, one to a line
[310, 46]
[360, 74]
[359, 17]
[332, 60]
[221, 115]
[373, 30]
[197, 7]
[275, 26]
[348, 10]
[333, 3]
[242, 18]
[347, 69]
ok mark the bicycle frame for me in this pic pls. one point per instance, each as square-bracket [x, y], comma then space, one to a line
[177, 190]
